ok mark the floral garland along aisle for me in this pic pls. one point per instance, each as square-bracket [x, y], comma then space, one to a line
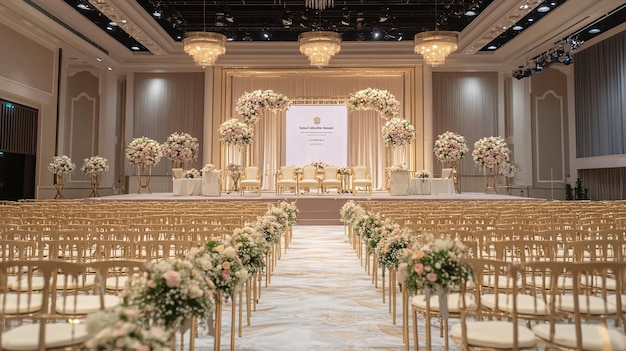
[451, 148]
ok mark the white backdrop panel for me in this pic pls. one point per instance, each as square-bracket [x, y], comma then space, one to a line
[316, 133]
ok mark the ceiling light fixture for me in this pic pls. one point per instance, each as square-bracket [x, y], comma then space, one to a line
[319, 46]
[319, 4]
[205, 47]
[435, 46]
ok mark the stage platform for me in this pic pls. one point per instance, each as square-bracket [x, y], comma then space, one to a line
[314, 209]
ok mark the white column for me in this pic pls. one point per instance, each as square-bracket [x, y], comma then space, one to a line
[521, 131]
[207, 132]
[428, 117]
[571, 126]
[107, 140]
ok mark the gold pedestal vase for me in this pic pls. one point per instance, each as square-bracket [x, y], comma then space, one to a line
[59, 184]
[95, 183]
[143, 177]
[491, 176]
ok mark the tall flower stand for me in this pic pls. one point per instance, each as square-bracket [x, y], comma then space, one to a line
[95, 182]
[509, 184]
[143, 177]
[59, 184]
[456, 176]
[491, 177]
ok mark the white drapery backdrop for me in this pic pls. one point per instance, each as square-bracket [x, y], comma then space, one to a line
[328, 86]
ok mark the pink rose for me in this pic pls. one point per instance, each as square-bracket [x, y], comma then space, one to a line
[419, 255]
[418, 268]
[151, 284]
[226, 265]
[172, 278]
[226, 274]
[431, 277]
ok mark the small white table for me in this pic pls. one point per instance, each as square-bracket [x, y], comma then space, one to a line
[431, 186]
[211, 184]
[187, 186]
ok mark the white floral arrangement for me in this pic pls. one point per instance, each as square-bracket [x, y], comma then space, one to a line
[61, 164]
[234, 170]
[369, 224]
[350, 211]
[509, 169]
[398, 168]
[208, 168]
[249, 105]
[397, 132]
[344, 170]
[220, 264]
[270, 228]
[291, 210]
[169, 293]
[378, 233]
[319, 165]
[251, 248]
[181, 147]
[281, 216]
[423, 174]
[393, 246]
[235, 132]
[95, 164]
[435, 266]
[381, 101]
[450, 147]
[490, 152]
[144, 151]
[192, 173]
[119, 329]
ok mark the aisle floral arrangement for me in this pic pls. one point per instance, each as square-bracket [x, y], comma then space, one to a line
[251, 248]
[394, 245]
[381, 101]
[369, 226]
[270, 228]
[95, 164]
[170, 293]
[181, 147]
[509, 169]
[397, 132]
[291, 210]
[61, 164]
[490, 152]
[450, 147]
[380, 232]
[350, 211]
[436, 266]
[144, 151]
[235, 132]
[398, 168]
[121, 330]
[220, 264]
[423, 174]
[281, 216]
[192, 173]
[249, 105]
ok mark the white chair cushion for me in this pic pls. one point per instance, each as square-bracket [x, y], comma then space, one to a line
[72, 283]
[116, 283]
[502, 283]
[454, 302]
[308, 182]
[85, 304]
[612, 299]
[494, 334]
[331, 182]
[595, 337]
[565, 283]
[361, 182]
[598, 282]
[249, 182]
[13, 283]
[26, 337]
[286, 182]
[526, 304]
[586, 304]
[19, 303]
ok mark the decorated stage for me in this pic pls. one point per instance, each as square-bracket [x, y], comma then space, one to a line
[314, 209]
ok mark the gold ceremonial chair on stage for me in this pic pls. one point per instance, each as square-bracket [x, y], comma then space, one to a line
[331, 180]
[309, 179]
[250, 179]
[361, 178]
[286, 179]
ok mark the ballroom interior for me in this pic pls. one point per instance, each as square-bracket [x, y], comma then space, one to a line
[85, 87]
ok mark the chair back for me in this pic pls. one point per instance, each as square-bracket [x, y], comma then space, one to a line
[251, 172]
[446, 172]
[360, 172]
[309, 172]
[287, 172]
[330, 172]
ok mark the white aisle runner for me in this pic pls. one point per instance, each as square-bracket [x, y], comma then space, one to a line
[320, 298]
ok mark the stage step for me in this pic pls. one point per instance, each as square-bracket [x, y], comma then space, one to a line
[320, 210]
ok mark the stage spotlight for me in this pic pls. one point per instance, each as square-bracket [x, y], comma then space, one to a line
[567, 60]
[228, 16]
[360, 17]
[527, 73]
[345, 17]
[518, 74]
[384, 15]
[538, 66]
[287, 20]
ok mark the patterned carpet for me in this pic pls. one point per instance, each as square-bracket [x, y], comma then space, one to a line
[319, 298]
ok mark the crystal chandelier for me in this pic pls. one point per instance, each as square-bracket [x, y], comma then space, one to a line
[204, 47]
[319, 4]
[435, 46]
[319, 46]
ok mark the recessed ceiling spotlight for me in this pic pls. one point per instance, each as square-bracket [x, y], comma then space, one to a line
[98, 59]
[157, 13]
[594, 31]
[109, 28]
[179, 37]
[109, 68]
[543, 8]
[470, 13]
[531, 19]
[112, 24]
[83, 6]
[492, 47]
[518, 27]
[136, 48]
